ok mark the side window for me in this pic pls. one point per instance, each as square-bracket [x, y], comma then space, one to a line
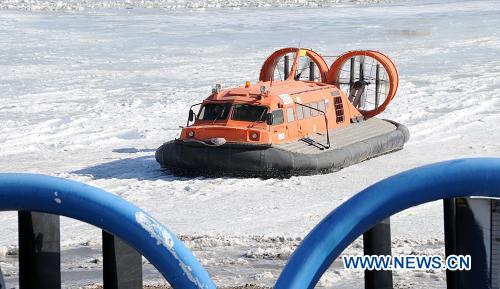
[290, 116]
[314, 112]
[300, 112]
[322, 106]
[307, 111]
[278, 117]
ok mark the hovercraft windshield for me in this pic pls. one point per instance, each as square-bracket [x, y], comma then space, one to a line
[214, 111]
[250, 113]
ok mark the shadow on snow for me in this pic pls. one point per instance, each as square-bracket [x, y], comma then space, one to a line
[140, 168]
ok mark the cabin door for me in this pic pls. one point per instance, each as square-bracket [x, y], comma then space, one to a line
[291, 123]
[278, 129]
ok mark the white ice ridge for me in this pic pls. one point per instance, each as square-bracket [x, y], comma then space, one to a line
[79, 5]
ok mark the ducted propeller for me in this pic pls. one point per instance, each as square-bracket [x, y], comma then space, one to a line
[369, 79]
[280, 65]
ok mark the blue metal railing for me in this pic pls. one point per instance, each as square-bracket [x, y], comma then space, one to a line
[451, 179]
[29, 192]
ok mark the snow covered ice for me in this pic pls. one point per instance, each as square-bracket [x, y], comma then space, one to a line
[90, 94]
[79, 5]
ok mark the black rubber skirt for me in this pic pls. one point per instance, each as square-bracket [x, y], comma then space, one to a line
[244, 160]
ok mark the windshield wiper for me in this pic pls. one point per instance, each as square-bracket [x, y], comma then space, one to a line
[259, 119]
[219, 115]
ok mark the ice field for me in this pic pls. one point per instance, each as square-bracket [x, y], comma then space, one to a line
[90, 94]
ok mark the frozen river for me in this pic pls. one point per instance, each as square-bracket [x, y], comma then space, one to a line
[90, 95]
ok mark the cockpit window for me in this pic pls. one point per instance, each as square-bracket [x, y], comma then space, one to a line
[278, 117]
[214, 111]
[251, 113]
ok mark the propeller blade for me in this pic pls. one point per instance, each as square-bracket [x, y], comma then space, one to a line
[361, 67]
[287, 66]
[351, 77]
[311, 71]
[362, 78]
[377, 83]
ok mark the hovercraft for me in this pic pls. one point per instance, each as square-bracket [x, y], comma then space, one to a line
[302, 117]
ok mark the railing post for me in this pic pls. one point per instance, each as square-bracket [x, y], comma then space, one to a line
[377, 241]
[495, 243]
[472, 232]
[39, 251]
[450, 234]
[2, 283]
[122, 264]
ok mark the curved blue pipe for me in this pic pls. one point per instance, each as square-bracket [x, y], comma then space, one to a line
[450, 179]
[113, 214]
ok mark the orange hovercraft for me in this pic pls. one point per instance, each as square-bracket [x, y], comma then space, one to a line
[305, 119]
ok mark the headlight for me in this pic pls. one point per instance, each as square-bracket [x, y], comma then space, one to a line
[191, 133]
[254, 136]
